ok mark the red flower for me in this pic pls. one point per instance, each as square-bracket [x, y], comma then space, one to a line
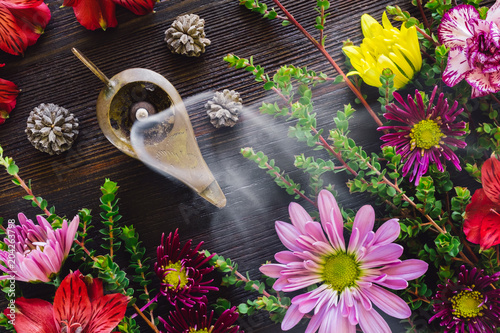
[8, 95]
[95, 14]
[21, 23]
[482, 215]
[79, 306]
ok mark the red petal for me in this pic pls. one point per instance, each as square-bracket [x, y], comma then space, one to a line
[32, 21]
[33, 315]
[107, 312]
[475, 212]
[490, 230]
[94, 288]
[70, 3]
[95, 14]
[8, 93]
[138, 7]
[72, 302]
[490, 177]
[12, 39]
[20, 3]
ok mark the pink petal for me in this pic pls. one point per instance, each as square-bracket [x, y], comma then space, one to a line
[71, 233]
[393, 283]
[388, 302]
[288, 235]
[316, 320]
[272, 270]
[364, 221]
[292, 317]
[408, 269]
[315, 230]
[384, 254]
[285, 257]
[298, 216]
[372, 322]
[494, 14]
[457, 67]
[457, 25]
[307, 305]
[330, 214]
[280, 283]
[387, 233]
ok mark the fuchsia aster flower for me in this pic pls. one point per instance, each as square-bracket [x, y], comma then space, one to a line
[199, 319]
[40, 250]
[474, 48]
[470, 304]
[426, 134]
[181, 271]
[350, 277]
[80, 306]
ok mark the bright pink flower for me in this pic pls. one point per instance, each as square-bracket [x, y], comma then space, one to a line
[474, 48]
[79, 306]
[482, 215]
[95, 14]
[8, 95]
[38, 251]
[21, 24]
[349, 279]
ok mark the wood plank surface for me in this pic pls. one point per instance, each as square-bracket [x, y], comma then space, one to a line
[244, 229]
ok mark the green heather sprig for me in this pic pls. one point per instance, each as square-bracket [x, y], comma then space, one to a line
[275, 305]
[110, 217]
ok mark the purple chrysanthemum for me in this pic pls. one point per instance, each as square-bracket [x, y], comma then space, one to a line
[427, 133]
[470, 304]
[349, 278]
[181, 271]
[474, 48]
[199, 319]
[37, 251]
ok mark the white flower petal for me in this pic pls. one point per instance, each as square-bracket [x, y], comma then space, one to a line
[457, 67]
[457, 25]
[494, 14]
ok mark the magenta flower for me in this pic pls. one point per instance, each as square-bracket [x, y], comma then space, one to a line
[350, 278]
[199, 319]
[37, 250]
[469, 303]
[426, 134]
[474, 48]
[181, 271]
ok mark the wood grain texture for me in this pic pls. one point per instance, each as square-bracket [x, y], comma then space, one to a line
[244, 230]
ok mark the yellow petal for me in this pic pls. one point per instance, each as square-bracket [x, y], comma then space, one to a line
[385, 21]
[370, 26]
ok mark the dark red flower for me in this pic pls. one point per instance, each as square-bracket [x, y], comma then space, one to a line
[199, 319]
[79, 306]
[8, 95]
[21, 24]
[482, 215]
[95, 14]
[181, 271]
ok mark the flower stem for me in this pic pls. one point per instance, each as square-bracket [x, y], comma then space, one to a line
[426, 36]
[30, 192]
[424, 18]
[150, 324]
[322, 49]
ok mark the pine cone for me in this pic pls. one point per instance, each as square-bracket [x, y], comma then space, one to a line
[224, 108]
[51, 128]
[186, 36]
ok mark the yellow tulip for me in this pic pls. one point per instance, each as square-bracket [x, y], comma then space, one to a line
[385, 47]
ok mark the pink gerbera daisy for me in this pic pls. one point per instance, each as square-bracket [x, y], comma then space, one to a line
[350, 278]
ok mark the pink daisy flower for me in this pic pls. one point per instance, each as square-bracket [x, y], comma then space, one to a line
[350, 277]
[38, 251]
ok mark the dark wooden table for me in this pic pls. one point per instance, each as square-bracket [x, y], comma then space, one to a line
[244, 229]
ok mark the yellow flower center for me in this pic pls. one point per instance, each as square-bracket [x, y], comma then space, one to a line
[194, 330]
[467, 304]
[341, 271]
[426, 134]
[176, 276]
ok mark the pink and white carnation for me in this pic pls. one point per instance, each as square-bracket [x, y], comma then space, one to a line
[350, 279]
[36, 252]
[474, 48]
